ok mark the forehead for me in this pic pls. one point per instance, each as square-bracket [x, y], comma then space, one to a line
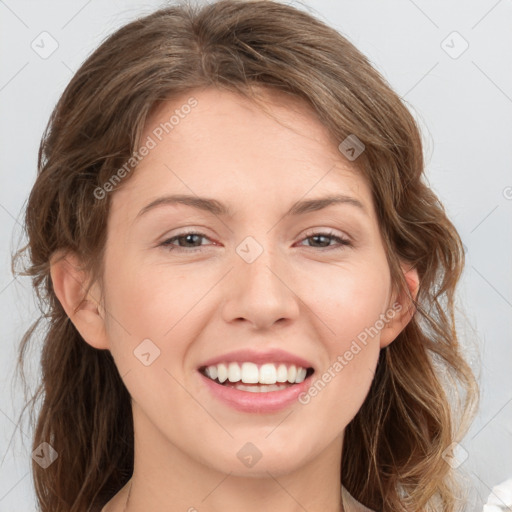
[219, 144]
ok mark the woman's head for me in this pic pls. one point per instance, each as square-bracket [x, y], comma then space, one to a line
[257, 106]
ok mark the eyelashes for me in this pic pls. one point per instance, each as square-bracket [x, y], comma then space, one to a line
[329, 236]
[171, 247]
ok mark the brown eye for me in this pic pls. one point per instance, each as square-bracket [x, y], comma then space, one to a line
[187, 238]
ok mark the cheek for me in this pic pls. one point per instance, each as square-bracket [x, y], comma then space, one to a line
[150, 332]
[148, 304]
[349, 299]
[349, 310]
[150, 297]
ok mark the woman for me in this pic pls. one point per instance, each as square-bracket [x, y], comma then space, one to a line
[296, 355]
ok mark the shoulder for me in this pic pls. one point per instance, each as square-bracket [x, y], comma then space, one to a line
[352, 504]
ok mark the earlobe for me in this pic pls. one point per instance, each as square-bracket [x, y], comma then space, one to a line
[403, 307]
[85, 311]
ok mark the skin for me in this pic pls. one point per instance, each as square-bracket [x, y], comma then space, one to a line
[297, 295]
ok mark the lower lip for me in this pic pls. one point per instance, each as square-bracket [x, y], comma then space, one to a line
[256, 402]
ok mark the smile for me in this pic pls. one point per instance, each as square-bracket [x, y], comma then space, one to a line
[251, 387]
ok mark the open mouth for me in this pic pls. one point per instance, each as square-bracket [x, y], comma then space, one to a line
[255, 378]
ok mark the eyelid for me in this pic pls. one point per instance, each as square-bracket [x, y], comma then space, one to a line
[191, 231]
[326, 231]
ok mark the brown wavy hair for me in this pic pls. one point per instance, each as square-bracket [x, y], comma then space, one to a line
[394, 449]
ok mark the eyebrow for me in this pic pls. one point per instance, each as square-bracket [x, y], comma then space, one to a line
[217, 208]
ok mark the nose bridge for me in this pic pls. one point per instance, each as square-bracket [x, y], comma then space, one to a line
[259, 263]
[259, 288]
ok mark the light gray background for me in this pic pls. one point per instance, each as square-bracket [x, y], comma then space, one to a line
[463, 104]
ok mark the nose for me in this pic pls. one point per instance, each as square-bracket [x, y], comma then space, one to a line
[261, 292]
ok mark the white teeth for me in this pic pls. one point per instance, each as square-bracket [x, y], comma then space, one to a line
[292, 373]
[261, 389]
[234, 372]
[211, 371]
[301, 375]
[268, 374]
[249, 373]
[222, 372]
[282, 373]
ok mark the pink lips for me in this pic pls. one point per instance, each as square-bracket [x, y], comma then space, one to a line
[246, 401]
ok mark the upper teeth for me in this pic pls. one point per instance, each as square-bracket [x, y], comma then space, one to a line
[250, 373]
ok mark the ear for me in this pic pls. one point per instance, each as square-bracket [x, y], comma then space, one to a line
[402, 307]
[85, 311]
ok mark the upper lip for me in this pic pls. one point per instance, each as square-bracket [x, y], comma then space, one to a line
[258, 357]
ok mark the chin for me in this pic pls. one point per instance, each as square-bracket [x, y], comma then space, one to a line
[258, 459]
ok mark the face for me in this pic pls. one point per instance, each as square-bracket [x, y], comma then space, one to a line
[264, 275]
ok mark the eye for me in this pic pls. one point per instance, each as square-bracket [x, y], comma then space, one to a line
[321, 237]
[187, 242]
[190, 237]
